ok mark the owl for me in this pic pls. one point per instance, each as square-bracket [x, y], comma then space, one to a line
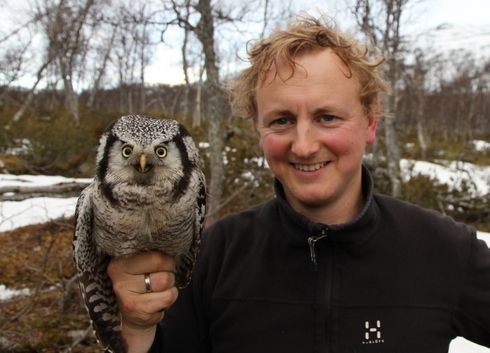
[148, 194]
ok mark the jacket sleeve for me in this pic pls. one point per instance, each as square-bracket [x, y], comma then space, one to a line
[182, 329]
[185, 327]
[472, 313]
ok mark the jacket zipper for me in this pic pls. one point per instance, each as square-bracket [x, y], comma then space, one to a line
[311, 243]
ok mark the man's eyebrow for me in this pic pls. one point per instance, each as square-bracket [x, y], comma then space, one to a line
[278, 112]
[325, 109]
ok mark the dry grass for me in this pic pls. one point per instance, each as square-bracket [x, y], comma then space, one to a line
[51, 318]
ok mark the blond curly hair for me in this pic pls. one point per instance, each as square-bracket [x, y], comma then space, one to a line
[304, 35]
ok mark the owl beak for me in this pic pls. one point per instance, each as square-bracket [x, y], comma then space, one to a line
[143, 167]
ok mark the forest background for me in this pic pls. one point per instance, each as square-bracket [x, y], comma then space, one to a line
[70, 67]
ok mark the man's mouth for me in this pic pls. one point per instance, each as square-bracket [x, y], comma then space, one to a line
[309, 167]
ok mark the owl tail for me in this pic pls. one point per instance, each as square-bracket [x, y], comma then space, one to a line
[102, 308]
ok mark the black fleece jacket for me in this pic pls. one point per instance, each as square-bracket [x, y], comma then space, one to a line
[398, 279]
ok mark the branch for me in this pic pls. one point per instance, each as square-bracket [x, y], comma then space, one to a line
[229, 199]
[183, 21]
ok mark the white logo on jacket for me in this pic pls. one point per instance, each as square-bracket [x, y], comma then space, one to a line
[372, 333]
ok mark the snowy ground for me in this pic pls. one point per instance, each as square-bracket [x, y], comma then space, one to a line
[452, 173]
[39, 210]
[35, 210]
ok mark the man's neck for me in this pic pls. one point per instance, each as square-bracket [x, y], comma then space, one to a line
[336, 212]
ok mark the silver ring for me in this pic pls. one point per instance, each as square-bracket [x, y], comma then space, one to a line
[148, 283]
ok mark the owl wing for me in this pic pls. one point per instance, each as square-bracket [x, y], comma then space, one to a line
[186, 263]
[95, 284]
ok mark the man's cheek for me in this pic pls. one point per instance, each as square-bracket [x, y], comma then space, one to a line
[273, 147]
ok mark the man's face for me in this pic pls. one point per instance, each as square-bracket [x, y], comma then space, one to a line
[313, 132]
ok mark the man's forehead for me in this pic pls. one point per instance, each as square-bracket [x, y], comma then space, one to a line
[284, 69]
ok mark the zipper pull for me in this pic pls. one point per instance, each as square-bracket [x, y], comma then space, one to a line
[311, 243]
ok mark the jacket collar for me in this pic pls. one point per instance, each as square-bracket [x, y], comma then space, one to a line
[354, 232]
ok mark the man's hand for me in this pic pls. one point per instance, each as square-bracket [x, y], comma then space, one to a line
[142, 305]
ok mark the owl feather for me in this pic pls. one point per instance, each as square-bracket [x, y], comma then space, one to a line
[148, 194]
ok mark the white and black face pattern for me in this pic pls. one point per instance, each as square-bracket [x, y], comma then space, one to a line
[142, 150]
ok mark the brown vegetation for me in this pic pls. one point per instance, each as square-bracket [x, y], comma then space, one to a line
[51, 318]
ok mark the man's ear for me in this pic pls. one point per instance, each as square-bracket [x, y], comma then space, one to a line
[373, 116]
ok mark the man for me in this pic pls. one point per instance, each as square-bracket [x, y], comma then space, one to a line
[326, 266]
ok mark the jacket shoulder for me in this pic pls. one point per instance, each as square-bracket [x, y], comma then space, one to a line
[237, 222]
[420, 221]
[238, 229]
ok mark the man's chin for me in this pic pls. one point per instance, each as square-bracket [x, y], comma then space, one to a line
[312, 202]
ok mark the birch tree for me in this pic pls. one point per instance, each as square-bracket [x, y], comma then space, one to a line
[102, 61]
[64, 26]
[381, 21]
[204, 29]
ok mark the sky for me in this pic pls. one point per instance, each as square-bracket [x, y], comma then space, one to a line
[428, 13]
[463, 12]
[421, 16]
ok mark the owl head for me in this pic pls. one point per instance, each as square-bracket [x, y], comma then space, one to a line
[137, 149]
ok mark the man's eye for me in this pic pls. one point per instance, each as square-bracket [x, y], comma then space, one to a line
[280, 121]
[327, 118]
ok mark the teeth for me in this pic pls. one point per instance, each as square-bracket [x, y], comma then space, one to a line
[309, 167]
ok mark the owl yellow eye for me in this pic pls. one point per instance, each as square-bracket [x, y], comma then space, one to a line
[161, 151]
[126, 151]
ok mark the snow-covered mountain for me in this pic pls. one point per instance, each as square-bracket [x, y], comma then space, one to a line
[451, 40]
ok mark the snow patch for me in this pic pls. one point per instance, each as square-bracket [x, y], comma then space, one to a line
[461, 345]
[484, 236]
[455, 174]
[480, 145]
[14, 214]
[7, 293]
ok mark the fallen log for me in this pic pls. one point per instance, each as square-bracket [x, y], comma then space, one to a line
[62, 190]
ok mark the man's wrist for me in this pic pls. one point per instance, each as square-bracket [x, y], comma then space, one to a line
[138, 339]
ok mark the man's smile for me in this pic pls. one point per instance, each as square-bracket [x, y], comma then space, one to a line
[309, 167]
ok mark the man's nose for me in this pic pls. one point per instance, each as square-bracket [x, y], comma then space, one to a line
[305, 141]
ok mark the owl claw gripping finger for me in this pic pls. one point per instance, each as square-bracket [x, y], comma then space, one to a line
[148, 194]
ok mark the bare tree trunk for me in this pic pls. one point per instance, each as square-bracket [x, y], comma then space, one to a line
[40, 72]
[419, 84]
[185, 65]
[71, 98]
[68, 59]
[130, 100]
[392, 155]
[142, 69]
[205, 33]
[422, 138]
[392, 144]
[101, 70]
[175, 101]
[142, 91]
[64, 24]
[389, 37]
[197, 113]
